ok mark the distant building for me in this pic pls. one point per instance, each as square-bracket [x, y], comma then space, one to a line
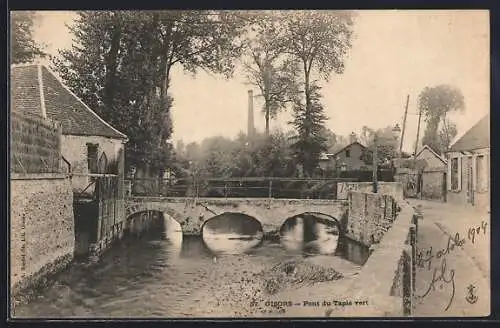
[468, 180]
[353, 157]
[431, 170]
[89, 143]
[433, 161]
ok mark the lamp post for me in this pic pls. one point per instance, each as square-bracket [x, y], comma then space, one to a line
[395, 131]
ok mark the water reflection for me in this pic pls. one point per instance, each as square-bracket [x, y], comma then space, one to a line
[352, 251]
[310, 234]
[166, 274]
[232, 233]
[172, 235]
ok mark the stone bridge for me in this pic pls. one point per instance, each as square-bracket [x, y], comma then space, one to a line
[271, 213]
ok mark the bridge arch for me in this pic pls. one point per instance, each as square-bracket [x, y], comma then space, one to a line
[240, 233]
[167, 212]
[310, 232]
[322, 217]
[253, 221]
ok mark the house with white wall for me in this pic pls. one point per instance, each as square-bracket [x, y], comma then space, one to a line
[88, 143]
[432, 159]
[430, 168]
[469, 167]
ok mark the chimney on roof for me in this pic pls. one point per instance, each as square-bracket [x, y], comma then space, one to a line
[251, 127]
[352, 137]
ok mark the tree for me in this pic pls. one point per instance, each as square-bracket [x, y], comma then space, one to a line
[121, 65]
[217, 156]
[267, 68]
[446, 134]
[366, 136]
[274, 157]
[436, 103]
[23, 47]
[331, 140]
[309, 142]
[386, 142]
[319, 41]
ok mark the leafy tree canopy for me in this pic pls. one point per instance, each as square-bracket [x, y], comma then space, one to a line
[23, 47]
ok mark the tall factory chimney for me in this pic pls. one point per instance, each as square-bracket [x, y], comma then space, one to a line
[251, 127]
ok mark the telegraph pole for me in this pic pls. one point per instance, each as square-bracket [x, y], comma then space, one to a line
[375, 162]
[418, 131]
[404, 125]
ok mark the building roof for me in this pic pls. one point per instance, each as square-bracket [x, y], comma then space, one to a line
[478, 136]
[349, 145]
[38, 90]
[433, 152]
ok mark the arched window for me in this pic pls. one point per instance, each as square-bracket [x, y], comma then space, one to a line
[103, 163]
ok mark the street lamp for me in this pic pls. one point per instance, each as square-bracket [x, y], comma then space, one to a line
[395, 130]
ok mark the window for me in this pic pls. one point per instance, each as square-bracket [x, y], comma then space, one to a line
[347, 153]
[92, 158]
[481, 174]
[454, 173]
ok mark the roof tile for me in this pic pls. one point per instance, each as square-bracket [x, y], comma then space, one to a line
[24, 90]
[476, 137]
[60, 104]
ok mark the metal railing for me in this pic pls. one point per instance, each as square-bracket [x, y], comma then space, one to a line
[235, 187]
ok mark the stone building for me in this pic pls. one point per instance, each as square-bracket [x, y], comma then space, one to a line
[92, 152]
[432, 175]
[432, 159]
[353, 157]
[469, 167]
[87, 140]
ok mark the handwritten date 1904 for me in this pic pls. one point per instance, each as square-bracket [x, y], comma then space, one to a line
[425, 257]
[475, 231]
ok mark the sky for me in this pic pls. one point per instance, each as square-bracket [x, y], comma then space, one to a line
[395, 53]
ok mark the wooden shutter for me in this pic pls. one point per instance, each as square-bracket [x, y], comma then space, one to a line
[459, 174]
[448, 177]
[487, 174]
[474, 173]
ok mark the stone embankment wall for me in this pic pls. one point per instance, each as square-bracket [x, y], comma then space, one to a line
[369, 216]
[387, 279]
[42, 229]
[395, 189]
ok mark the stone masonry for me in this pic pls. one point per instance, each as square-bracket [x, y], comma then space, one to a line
[395, 189]
[270, 212]
[369, 216]
[42, 228]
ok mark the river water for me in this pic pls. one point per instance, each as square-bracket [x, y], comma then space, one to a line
[165, 274]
